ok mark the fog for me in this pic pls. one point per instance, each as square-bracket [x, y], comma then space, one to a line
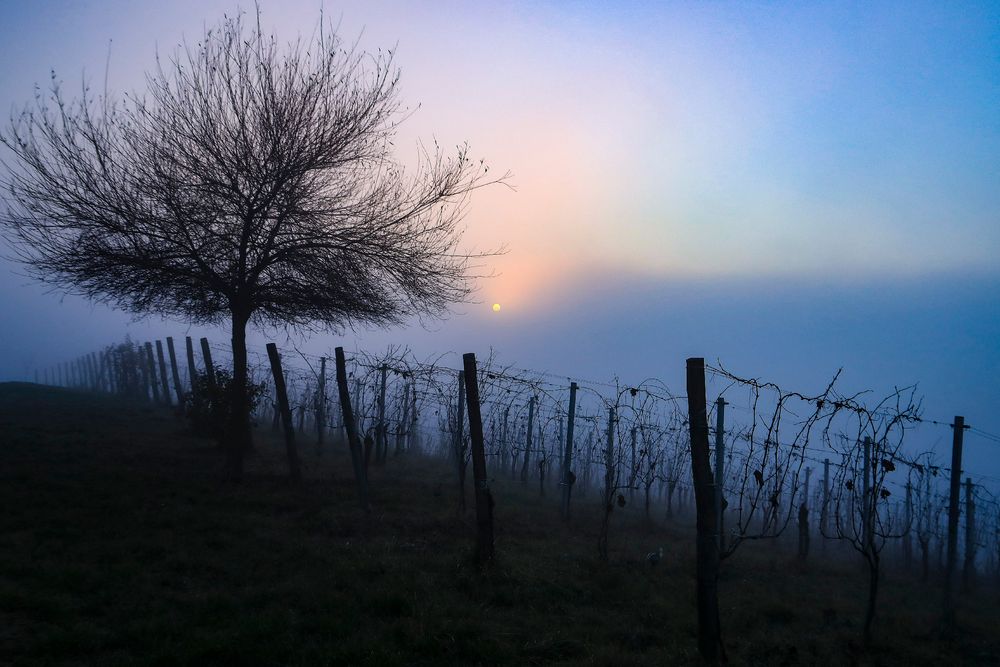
[939, 333]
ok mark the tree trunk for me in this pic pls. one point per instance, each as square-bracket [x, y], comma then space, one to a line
[238, 435]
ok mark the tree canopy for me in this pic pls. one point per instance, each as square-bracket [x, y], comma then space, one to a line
[251, 182]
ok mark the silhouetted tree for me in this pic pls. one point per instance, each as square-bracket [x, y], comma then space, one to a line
[250, 183]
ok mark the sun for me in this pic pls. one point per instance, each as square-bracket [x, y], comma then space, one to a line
[496, 307]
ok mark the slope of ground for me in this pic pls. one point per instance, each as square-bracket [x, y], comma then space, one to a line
[121, 544]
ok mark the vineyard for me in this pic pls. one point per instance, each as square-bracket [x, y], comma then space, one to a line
[827, 476]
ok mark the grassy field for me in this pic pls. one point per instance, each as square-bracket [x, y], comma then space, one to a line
[120, 543]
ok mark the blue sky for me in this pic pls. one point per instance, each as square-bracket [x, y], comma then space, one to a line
[790, 187]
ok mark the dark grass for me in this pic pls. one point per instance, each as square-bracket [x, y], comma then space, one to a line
[120, 543]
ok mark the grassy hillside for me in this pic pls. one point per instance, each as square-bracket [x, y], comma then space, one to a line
[120, 543]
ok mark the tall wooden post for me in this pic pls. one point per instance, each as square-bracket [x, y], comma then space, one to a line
[804, 519]
[91, 369]
[174, 372]
[958, 431]
[413, 436]
[608, 500]
[633, 465]
[151, 364]
[403, 420]
[506, 445]
[707, 545]
[609, 458]
[353, 441]
[321, 405]
[192, 369]
[459, 443]
[867, 505]
[484, 499]
[294, 471]
[908, 534]
[527, 439]
[825, 510]
[568, 478]
[206, 353]
[381, 445]
[969, 564]
[164, 385]
[100, 365]
[561, 449]
[720, 464]
[104, 360]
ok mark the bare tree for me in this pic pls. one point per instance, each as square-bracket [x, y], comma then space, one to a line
[250, 183]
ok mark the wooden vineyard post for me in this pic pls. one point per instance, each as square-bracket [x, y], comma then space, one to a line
[543, 459]
[568, 478]
[633, 467]
[608, 500]
[527, 439]
[459, 441]
[206, 352]
[404, 421]
[867, 504]
[804, 520]
[484, 499]
[174, 372]
[958, 431]
[381, 443]
[505, 444]
[192, 369]
[286, 413]
[164, 385]
[107, 363]
[969, 565]
[105, 372]
[720, 465]
[707, 544]
[92, 372]
[320, 405]
[825, 509]
[413, 441]
[357, 457]
[908, 535]
[151, 365]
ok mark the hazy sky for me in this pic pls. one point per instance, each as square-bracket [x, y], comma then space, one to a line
[790, 187]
